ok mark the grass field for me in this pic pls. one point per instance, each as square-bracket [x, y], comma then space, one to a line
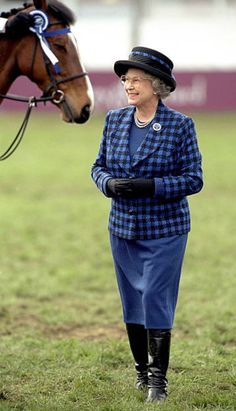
[62, 340]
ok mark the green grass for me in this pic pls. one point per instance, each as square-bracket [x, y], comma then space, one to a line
[62, 340]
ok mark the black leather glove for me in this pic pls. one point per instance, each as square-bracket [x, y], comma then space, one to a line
[19, 24]
[111, 187]
[131, 187]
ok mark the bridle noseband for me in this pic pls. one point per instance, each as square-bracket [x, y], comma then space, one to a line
[57, 96]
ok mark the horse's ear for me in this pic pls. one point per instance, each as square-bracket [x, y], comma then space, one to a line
[41, 4]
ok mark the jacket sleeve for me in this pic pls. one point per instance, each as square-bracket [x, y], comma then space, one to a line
[99, 172]
[188, 179]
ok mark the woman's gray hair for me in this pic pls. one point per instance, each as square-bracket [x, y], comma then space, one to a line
[159, 86]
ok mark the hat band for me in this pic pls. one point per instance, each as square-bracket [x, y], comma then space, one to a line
[148, 59]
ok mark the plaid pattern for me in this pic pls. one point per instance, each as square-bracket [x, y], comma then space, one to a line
[170, 155]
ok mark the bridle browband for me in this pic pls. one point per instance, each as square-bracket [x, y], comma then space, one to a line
[57, 96]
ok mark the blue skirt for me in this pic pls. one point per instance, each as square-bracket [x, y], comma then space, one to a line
[148, 274]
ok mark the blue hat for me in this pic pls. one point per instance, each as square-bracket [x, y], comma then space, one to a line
[151, 61]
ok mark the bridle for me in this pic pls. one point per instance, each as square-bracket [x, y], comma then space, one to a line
[55, 82]
[57, 96]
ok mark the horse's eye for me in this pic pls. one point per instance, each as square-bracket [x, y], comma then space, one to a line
[60, 46]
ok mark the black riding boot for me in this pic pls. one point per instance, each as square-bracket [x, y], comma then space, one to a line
[138, 343]
[159, 353]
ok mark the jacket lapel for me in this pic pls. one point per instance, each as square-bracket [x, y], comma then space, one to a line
[153, 137]
[121, 139]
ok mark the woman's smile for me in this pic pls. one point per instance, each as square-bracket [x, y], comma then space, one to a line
[138, 88]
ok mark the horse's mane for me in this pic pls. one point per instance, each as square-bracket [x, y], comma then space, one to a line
[57, 8]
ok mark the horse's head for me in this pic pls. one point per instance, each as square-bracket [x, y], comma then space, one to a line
[69, 83]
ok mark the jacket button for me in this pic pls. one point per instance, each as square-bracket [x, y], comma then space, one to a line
[131, 211]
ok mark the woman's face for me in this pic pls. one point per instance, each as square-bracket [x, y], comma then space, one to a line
[138, 88]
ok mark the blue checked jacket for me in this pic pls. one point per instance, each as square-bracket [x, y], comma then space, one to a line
[170, 155]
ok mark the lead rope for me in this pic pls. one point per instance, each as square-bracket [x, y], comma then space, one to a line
[15, 143]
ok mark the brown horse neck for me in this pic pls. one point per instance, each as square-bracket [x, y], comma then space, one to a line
[8, 72]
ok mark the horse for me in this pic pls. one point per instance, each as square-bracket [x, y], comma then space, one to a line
[69, 88]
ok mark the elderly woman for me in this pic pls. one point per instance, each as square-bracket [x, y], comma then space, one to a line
[148, 162]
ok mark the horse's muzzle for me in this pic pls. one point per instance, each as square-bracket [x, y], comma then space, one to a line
[84, 115]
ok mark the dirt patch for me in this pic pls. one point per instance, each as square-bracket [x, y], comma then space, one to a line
[25, 323]
[20, 320]
[87, 333]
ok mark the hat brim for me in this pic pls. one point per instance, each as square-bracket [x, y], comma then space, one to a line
[121, 67]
